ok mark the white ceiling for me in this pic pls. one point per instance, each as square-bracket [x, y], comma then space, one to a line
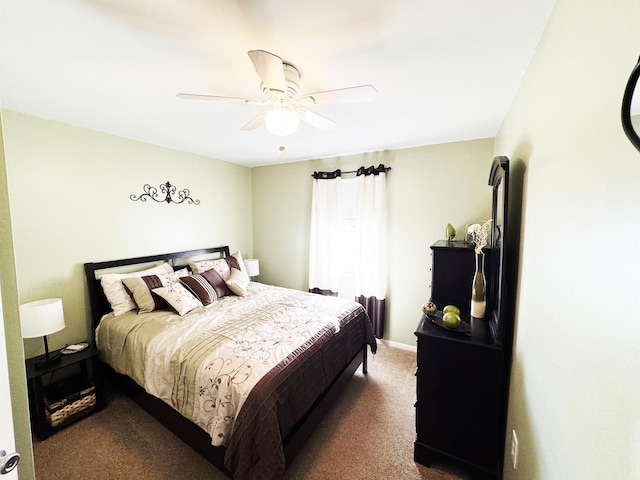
[445, 70]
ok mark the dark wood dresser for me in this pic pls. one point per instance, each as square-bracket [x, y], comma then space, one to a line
[459, 408]
[463, 375]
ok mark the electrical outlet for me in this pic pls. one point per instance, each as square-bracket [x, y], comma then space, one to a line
[514, 449]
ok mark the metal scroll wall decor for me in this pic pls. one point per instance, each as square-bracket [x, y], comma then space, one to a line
[169, 191]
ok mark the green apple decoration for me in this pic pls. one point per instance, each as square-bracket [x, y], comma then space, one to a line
[451, 232]
[451, 308]
[451, 320]
[429, 308]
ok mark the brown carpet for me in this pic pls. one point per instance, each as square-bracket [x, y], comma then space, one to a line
[368, 434]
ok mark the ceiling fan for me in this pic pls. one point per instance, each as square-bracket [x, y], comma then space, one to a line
[280, 86]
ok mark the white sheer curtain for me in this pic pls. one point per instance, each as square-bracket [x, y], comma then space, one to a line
[324, 247]
[326, 250]
[371, 225]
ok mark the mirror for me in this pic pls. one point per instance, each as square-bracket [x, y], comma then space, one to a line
[631, 107]
[496, 292]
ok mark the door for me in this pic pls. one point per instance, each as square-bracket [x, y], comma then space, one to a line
[7, 439]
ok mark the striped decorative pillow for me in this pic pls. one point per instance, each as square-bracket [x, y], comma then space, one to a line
[200, 288]
[140, 289]
[217, 282]
[120, 301]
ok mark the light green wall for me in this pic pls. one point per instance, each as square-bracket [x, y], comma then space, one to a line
[69, 195]
[69, 190]
[427, 188]
[575, 386]
[13, 336]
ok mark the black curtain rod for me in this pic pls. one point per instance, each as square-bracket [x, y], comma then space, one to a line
[314, 174]
[356, 171]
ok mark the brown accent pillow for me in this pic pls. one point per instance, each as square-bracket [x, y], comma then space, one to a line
[232, 262]
[217, 282]
[199, 286]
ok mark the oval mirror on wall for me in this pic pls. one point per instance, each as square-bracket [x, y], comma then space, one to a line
[631, 107]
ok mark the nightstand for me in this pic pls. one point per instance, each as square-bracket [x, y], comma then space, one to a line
[63, 391]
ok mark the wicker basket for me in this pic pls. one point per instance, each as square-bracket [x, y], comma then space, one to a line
[69, 408]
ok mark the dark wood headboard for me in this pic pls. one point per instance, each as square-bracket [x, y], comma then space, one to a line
[98, 304]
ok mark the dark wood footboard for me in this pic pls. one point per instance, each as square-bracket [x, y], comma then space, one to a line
[184, 429]
[200, 441]
[296, 438]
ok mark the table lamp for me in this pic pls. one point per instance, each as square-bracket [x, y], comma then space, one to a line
[39, 319]
[253, 267]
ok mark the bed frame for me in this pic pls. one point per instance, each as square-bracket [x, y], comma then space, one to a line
[186, 430]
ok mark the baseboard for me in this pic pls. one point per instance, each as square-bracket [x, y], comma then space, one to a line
[401, 346]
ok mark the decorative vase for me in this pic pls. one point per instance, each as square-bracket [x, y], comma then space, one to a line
[479, 289]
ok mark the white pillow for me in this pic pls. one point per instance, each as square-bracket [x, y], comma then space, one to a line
[238, 282]
[220, 265]
[117, 295]
[178, 297]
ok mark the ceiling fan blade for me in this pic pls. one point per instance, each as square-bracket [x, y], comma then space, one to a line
[255, 122]
[315, 120]
[215, 98]
[270, 69]
[363, 93]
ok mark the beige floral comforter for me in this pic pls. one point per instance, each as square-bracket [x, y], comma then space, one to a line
[206, 363]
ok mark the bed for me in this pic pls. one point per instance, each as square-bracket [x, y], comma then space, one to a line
[241, 371]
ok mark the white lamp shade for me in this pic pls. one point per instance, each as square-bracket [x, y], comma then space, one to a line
[253, 267]
[41, 317]
[281, 121]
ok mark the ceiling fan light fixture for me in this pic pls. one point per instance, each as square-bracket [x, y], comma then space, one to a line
[280, 84]
[281, 121]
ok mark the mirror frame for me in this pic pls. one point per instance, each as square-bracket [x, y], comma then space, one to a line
[627, 125]
[499, 181]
